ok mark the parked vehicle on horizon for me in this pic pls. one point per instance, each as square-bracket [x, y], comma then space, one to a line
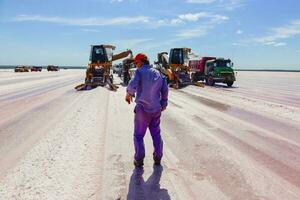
[52, 68]
[22, 69]
[36, 69]
[212, 70]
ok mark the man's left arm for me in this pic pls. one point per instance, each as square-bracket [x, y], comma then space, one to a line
[164, 94]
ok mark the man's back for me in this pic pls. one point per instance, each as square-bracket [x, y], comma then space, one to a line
[150, 87]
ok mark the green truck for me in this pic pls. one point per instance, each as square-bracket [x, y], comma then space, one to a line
[212, 70]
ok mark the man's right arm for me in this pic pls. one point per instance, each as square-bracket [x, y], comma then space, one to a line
[132, 86]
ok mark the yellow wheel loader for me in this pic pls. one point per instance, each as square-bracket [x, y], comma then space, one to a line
[175, 66]
[98, 70]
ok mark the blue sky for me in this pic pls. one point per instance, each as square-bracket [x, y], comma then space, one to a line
[257, 34]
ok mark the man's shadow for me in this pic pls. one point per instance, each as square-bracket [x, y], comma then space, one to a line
[140, 190]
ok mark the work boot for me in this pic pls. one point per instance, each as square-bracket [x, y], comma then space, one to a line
[138, 163]
[156, 159]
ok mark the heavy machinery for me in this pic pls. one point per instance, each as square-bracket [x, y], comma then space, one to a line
[98, 70]
[162, 65]
[117, 69]
[36, 69]
[126, 67]
[175, 66]
[213, 70]
[179, 65]
[22, 69]
[52, 68]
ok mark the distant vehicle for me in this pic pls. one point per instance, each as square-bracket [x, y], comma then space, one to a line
[127, 64]
[117, 69]
[212, 70]
[52, 68]
[22, 69]
[132, 72]
[36, 69]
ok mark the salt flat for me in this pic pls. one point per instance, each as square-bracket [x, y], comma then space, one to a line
[219, 143]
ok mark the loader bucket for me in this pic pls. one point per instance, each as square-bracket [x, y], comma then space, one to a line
[200, 84]
[80, 87]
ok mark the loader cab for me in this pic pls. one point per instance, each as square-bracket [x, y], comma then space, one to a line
[101, 53]
[179, 56]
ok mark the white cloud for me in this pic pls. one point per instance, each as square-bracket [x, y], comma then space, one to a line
[191, 17]
[84, 21]
[279, 44]
[197, 16]
[202, 29]
[279, 33]
[239, 32]
[192, 33]
[90, 30]
[99, 21]
[200, 1]
[120, 1]
[130, 43]
[224, 4]
[231, 4]
[241, 44]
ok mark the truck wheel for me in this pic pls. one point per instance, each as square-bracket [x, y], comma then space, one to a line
[230, 83]
[210, 81]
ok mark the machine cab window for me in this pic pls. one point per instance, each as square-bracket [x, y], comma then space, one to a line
[98, 54]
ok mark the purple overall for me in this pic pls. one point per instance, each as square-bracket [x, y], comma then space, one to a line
[151, 97]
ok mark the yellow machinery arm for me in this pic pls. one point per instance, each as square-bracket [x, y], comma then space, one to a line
[122, 55]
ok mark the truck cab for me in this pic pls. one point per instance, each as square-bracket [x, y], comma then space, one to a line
[219, 70]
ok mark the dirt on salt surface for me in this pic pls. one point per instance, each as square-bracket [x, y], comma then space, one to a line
[219, 142]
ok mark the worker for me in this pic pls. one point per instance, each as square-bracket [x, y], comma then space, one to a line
[126, 75]
[151, 91]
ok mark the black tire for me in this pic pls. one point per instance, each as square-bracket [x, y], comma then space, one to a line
[210, 81]
[230, 83]
[195, 77]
